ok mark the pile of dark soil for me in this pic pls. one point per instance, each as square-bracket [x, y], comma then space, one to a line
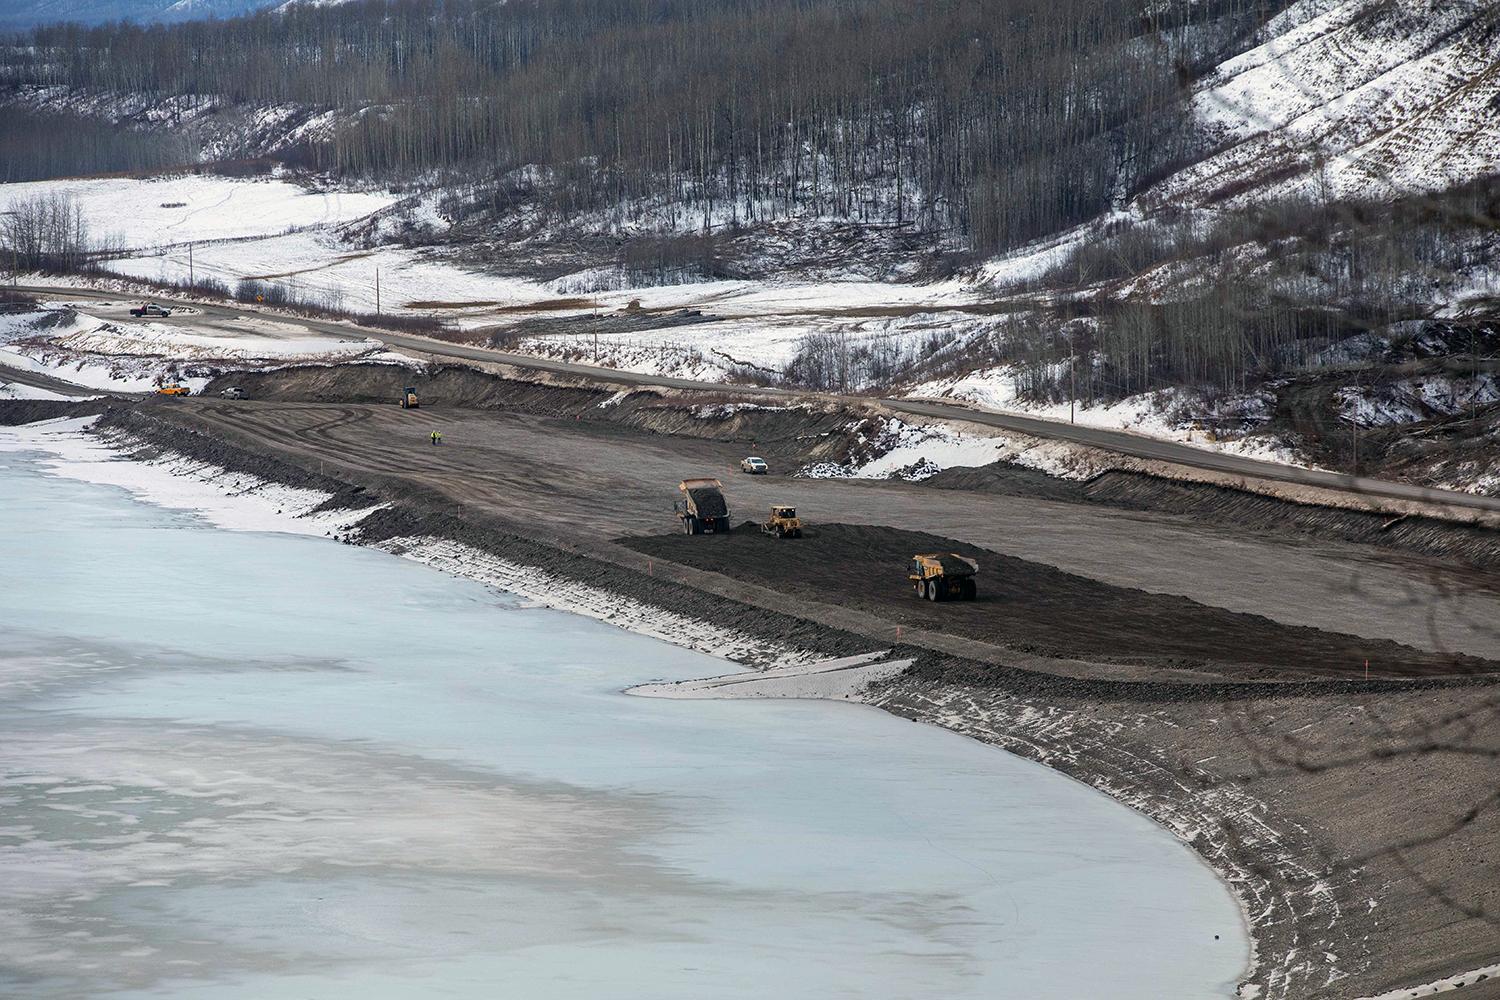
[709, 502]
[1036, 608]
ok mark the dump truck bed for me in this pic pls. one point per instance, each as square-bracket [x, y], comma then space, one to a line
[705, 497]
[703, 509]
[954, 565]
[951, 564]
[708, 501]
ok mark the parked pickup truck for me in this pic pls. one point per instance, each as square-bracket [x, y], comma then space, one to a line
[150, 309]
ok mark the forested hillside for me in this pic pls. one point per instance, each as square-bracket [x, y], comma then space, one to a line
[998, 120]
[1273, 210]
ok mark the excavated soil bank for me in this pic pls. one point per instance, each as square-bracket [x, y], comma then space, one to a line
[14, 412]
[1035, 608]
[816, 430]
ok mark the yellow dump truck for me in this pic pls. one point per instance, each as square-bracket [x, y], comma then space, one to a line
[943, 576]
[784, 522]
[702, 509]
[409, 398]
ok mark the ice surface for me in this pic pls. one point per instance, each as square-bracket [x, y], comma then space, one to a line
[258, 765]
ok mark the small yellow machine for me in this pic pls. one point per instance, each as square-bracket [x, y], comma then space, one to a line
[943, 576]
[784, 522]
[173, 389]
[409, 398]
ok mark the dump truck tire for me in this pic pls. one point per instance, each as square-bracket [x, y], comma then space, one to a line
[688, 526]
[932, 590]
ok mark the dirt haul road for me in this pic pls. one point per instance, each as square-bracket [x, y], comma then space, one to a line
[590, 481]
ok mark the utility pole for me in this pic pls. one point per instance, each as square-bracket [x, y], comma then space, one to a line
[377, 291]
[190, 265]
[1354, 436]
[1072, 379]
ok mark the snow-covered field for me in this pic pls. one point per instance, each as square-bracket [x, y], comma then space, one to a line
[143, 213]
[315, 266]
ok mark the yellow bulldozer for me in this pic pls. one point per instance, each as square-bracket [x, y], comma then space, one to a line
[784, 522]
[943, 576]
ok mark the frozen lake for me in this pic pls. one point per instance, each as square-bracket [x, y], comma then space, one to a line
[264, 766]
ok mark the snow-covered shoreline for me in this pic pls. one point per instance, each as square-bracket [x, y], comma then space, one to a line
[236, 501]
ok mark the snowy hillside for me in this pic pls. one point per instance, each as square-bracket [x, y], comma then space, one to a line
[1352, 99]
[1326, 233]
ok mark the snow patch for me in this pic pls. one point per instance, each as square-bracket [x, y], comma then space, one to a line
[231, 500]
[914, 452]
[1446, 985]
[845, 678]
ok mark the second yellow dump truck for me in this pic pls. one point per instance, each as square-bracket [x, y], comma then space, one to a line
[409, 398]
[943, 576]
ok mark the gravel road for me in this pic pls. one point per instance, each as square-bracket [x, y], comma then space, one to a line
[1120, 442]
[595, 481]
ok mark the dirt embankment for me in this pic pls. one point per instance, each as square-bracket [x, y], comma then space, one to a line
[816, 430]
[14, 412]
[791, 434]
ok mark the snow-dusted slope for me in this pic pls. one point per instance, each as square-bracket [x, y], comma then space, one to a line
[1360, 98]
